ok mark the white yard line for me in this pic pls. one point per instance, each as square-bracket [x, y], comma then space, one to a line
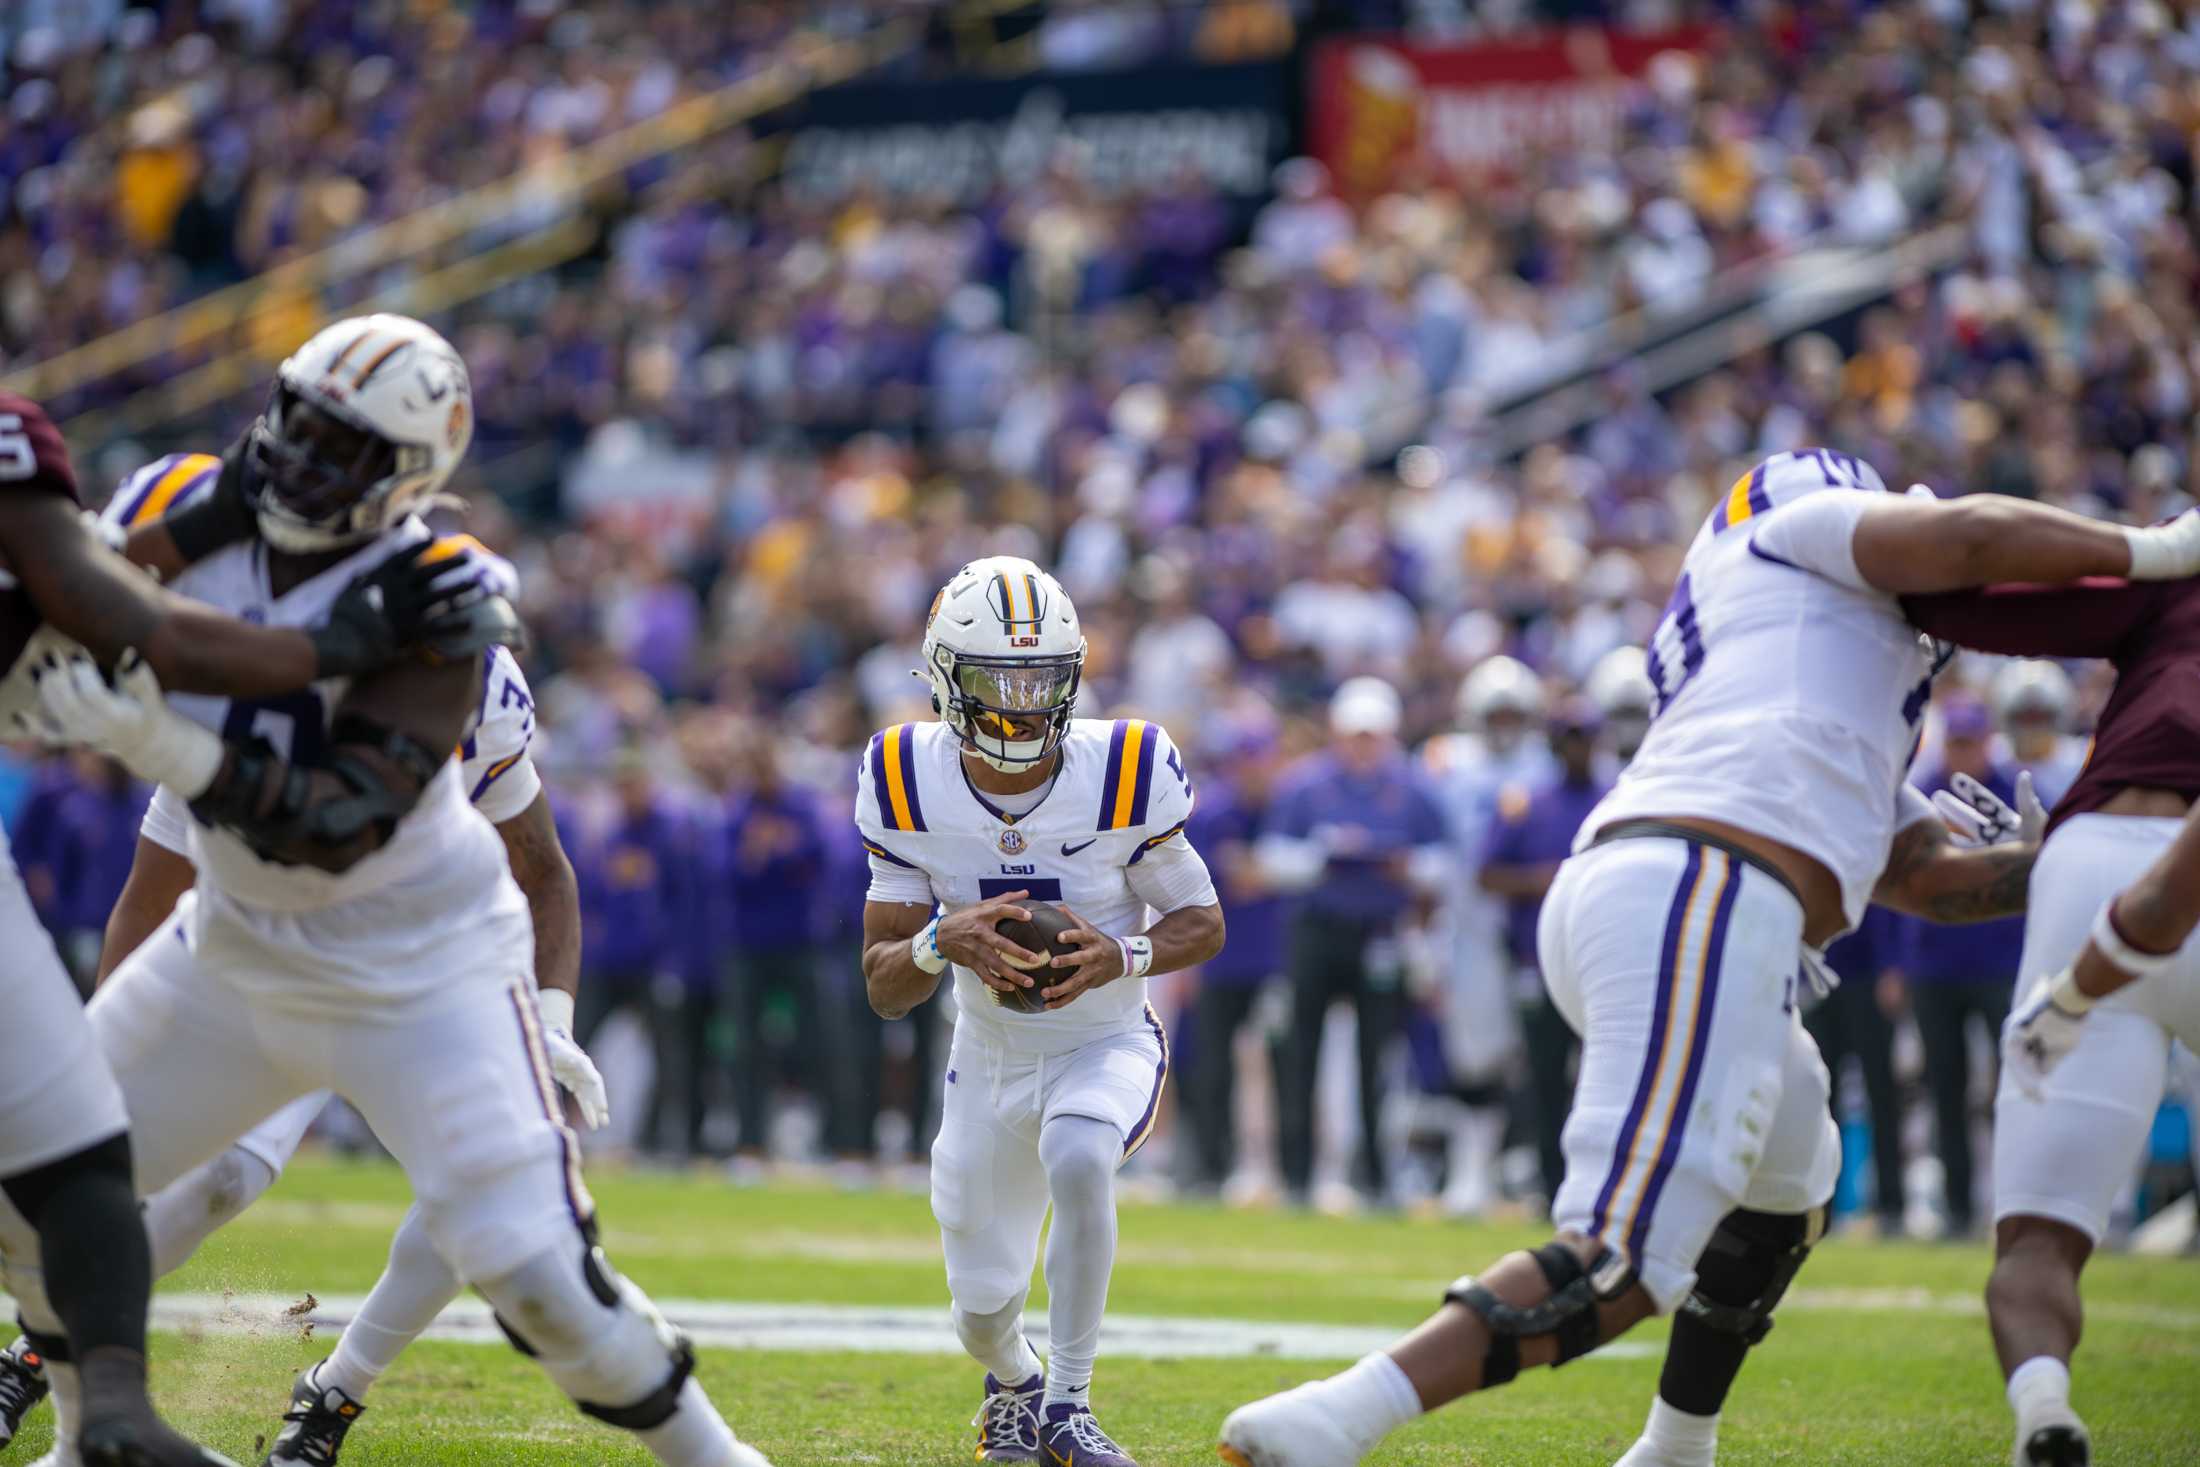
[718, 1325]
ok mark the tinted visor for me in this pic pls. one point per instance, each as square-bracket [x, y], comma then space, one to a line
[1017, 700]
[313, 463]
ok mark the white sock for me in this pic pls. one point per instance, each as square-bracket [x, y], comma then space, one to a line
[412, 1291]
[1372, 1399]
[1080, 1156]
[1680, 1438]
[2039, 1382]
[187, 1211]
[695, 1435]
[997, 1342]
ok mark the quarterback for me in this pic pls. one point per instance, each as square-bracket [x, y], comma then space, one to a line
[353, 925]
[1010, 798]
[1700, 1153]
[72, 1249]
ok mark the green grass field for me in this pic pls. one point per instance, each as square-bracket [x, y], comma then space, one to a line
[1881, 1356]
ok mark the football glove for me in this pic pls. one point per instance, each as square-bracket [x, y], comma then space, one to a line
[569, 1063]
[419, 598]
[128, 719]
[1976, 816]
[2041, 1030]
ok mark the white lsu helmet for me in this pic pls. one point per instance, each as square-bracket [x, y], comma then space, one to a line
[366, 423]
[1003, 652]
[1500, 684]
[1620, 682]
[2035, 689]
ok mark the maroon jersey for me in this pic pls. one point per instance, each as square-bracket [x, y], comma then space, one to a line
[2149, 734]
[33, 460]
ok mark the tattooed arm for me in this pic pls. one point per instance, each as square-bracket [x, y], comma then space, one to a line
[1929, 876]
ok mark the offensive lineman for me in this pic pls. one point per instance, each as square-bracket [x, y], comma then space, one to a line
[2078, 1094]
[353, 925]
[72, 1248]
[1008, 796]
[502, 784]
[1700, 1152]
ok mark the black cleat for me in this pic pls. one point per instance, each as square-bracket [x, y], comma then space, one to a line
[314, 1426]
[2058, 1446]
[142, 1442]
[22, 1387]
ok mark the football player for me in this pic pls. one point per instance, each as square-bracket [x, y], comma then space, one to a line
[1498, 755]
[501, 781]
[1700, 1153]
[2033, 702]
[2114, 902]
[353, 924]
[72, 1248]
[1009, 799]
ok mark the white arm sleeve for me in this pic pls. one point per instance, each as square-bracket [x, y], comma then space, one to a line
[1171, 876]
[167, 822]
[510, 792]
[1817, 533]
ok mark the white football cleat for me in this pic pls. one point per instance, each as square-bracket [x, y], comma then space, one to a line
[1289, 1430]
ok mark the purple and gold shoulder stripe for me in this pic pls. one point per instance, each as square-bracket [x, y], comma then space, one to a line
[893, 758]
[1129, 779]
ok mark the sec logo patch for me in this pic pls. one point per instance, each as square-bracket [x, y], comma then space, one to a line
[1012, 842]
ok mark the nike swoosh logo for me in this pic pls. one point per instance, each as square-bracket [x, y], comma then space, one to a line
[1070, 850]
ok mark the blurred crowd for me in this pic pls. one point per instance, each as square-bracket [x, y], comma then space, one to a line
[735, 452]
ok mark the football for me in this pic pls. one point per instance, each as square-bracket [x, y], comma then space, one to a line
[1044, 933]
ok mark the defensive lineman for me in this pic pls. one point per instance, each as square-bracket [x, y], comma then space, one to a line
[501, 781]
[2067, 1135]
[354, 926]
[72, 1249]
[1010, 797]
[1700, 1153]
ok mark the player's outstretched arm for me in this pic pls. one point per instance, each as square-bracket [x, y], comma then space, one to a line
[1916, 546]
[1929, 876]
[93, 596]
[158, 879]
[391, 735]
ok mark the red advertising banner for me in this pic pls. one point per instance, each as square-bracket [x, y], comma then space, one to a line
[1383, 108]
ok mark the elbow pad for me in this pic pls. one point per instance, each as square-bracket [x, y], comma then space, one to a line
[271, 805]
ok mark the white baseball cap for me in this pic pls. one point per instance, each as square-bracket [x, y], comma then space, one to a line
[1365, 705]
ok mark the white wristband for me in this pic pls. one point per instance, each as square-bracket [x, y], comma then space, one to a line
[2121, 953]
[2163, 552]
[924, 949]
[556, 1007]
[1137, 955]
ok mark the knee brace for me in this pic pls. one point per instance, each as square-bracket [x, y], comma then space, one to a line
[1748, 1264]
[596, 1335]
[1569, 1313]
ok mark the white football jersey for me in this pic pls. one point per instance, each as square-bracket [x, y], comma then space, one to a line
[1472, 784]
[440, 886]
[1788, 689]
[1122, 792]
